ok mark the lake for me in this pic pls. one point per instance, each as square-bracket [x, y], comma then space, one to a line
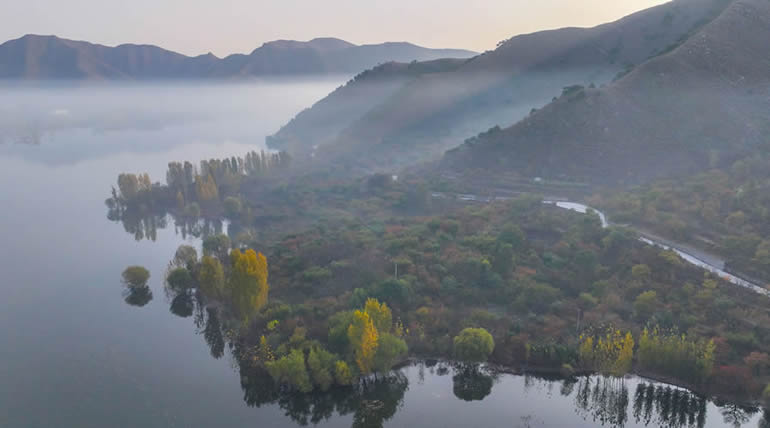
[74, 354]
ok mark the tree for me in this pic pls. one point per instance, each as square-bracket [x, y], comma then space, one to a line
[645, 303]
[185, 256]
[641, 272]
[135, 276]
[290, 370]
[232, 207]
[473, 345]
[211, 277]
[129, 186]
[206, 188]
[471, 385]
[338, 331]
[363, 339]
[248, 282]
[380, 314]
[217, 246]
[342, 373]
[389, 349]
[321, 364]
[137, 296]
[179, 279]
[625, 356]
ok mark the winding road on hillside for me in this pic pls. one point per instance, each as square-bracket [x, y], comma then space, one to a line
[709, 262]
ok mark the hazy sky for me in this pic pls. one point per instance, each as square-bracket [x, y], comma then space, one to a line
[231, 26]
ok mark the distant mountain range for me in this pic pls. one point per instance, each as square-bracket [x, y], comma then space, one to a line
[414, 112]
[50, 57]
[703, 104]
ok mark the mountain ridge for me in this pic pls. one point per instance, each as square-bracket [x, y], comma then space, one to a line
[433, 112]
[33, 57]
[702, 104]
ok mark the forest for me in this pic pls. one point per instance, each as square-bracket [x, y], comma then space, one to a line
[382, 272]
[723, 209]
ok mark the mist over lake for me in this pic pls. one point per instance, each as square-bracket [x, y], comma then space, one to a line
[74, 353]
[365, 229]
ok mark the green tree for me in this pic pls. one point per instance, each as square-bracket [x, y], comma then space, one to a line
[217, 246]
[232, 207]
[342, 373]
[179, 279]
[135, 276]
[290, 370]
[338, 331]
[473, 345]
[321, 364]
[645, 304]
[389, 350]
[211, 277]
[186, 256]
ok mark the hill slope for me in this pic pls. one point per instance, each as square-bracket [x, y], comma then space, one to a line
[705, 103]
[50, 57]
[435, 111]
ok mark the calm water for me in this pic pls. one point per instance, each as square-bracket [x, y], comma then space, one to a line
[73, 354]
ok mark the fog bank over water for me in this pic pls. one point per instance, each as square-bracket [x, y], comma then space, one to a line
[77, 122]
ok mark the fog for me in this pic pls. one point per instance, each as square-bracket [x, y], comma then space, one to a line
[76, 122]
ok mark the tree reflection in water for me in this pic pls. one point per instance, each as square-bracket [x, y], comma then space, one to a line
[736, 415]
[765, 421]
[472, 383]
[143, 222]
[371, 403]
[605, 399]
[137, 296]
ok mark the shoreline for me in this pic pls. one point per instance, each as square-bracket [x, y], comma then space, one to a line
[557, 373]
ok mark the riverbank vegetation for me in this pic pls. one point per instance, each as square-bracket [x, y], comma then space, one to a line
[538, 279]
[347, 300]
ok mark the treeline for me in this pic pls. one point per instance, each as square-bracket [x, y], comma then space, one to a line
[668, 353]
[673, 354]
[214, 186]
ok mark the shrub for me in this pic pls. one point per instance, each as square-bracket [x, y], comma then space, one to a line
[473, 345]
[135, 276]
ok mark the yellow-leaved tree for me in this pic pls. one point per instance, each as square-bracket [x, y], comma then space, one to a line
[248, 282]
[380, 314]
[363, 338]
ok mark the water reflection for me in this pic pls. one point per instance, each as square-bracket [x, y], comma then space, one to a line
[143, 222]
[605, 399]
[668, 406]
[371, 403]
[137, 296]
[472, 384]
[736, 415]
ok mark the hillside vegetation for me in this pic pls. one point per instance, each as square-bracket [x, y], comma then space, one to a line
[433, 112]
[704, 104]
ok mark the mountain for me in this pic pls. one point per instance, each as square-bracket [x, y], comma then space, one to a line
[323, 121]
[50, 57]
[704, 104]
[423, 115]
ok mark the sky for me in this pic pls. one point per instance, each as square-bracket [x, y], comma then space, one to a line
[223, 27]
